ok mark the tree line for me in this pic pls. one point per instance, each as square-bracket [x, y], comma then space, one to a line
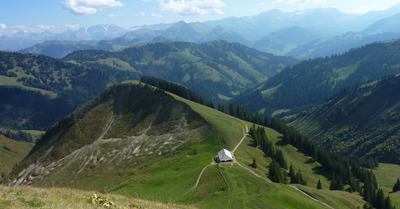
[342, 170]
[176, 89]
[277, 168]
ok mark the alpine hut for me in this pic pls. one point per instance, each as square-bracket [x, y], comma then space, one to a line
[224, 156]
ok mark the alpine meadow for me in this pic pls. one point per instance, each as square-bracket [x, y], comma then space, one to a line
[200, 104]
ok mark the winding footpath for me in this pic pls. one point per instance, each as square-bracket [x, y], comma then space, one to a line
[245, 131]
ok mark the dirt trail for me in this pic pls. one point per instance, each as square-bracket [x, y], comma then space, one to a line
[245, 131]
[301, 191]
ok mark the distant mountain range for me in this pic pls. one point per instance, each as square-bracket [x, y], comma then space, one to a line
[21, 40]
[382, 30]
[181, 31]
[294, 34]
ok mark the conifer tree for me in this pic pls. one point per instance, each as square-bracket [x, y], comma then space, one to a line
[396, 186]
[319, 186]
[291, 171]
[380, 199]
[388, 203]
[254, 164]
[275, 172]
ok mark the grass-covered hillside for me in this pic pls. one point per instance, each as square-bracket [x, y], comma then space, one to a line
[11, 153]
[36, 91]
[139, 141]
[312, 81]
[386, 175]
[217, 70]
[360, 122]
[29, 197]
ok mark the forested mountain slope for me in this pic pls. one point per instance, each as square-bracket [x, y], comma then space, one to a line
[36, 91]
[310, 82]
[217, 70]
[360, 122]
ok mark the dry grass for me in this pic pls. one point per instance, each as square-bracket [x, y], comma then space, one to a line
[29, 197]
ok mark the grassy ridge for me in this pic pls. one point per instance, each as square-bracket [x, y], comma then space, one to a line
[230, 129]
[229, 186]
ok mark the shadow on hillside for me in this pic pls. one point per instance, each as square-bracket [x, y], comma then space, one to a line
[310, 161]
[281, 143]
[320, 171]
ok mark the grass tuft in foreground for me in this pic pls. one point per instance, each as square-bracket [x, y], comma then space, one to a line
[29, 197]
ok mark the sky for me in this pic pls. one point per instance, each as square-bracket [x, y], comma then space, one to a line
[59, 15]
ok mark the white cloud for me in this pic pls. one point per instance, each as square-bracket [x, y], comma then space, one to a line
[142, 14]
[218, 11]
[72, 26]
[3, 26]
[319, 1]
[194, 7]
[156, 15]
[114, 15]
[40, 28]
[298, 2]
[81, 7]
[24, 28]
[46, 27]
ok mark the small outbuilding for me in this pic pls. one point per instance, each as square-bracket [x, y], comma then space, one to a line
[224, 155]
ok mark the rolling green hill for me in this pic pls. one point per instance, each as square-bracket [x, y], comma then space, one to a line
[310, 82]
[139, 141]
[217, 70]
[361, 122]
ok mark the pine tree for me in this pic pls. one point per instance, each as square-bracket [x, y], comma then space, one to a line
[380, 199]
[396, 186]
[275, 172]
[254, 164]
[291, 171]
[388, 203]
[319, 186]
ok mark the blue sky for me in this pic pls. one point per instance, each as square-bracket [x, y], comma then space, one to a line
[39, 15]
